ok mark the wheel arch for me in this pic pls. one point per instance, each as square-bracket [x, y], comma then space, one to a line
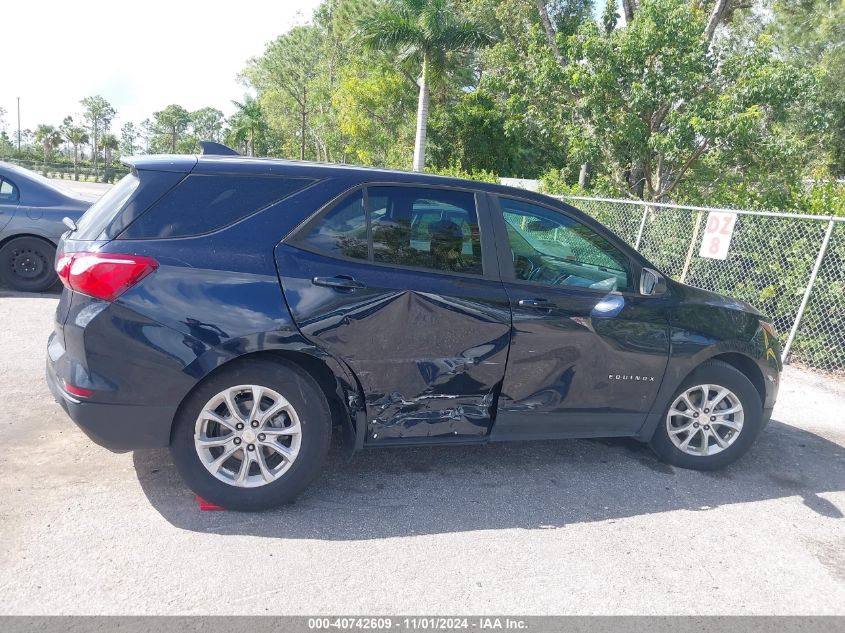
[342, 405]
[746, 366]
[15, 236]
[743, 363]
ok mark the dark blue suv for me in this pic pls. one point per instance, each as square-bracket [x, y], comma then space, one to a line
[242, 310]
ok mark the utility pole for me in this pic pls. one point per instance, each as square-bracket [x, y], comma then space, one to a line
[19, 125]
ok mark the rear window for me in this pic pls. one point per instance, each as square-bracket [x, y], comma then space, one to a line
[92, 224]
[205, 203]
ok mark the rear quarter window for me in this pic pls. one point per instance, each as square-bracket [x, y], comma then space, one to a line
[99, 215]
[204, 203]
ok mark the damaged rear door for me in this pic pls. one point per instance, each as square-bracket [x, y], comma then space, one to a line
[400, 283]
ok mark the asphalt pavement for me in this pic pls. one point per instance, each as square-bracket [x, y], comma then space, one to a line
[569, 527]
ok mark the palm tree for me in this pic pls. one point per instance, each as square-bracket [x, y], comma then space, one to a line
[98, 114]
[108, 143]
[76, 136]
[430, 31]
[246, 122]
[49, 138]
[67, 123]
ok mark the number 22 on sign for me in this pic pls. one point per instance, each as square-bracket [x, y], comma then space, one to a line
[717, 235]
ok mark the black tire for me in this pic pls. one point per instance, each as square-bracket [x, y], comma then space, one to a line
[315, 420]
[27, 264]
[722, 374]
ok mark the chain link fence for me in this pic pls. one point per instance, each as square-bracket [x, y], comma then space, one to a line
[790, 266]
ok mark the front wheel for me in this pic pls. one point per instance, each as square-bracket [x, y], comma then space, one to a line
[253, 436]
[26, 263]
[711, 421]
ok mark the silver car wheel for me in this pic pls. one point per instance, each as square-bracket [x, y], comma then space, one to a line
[705, 420]
[248, 436]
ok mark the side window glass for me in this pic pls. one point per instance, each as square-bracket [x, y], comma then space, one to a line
[552, 248]
[8, 191]
[201, 204]
[426, 228]
[343, 230]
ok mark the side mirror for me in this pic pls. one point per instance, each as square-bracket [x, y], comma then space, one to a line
[652, 283]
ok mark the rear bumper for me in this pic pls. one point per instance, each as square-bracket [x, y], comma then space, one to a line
[117, 427]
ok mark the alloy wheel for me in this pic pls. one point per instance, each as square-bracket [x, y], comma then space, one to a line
[248, 436]
[705, 420]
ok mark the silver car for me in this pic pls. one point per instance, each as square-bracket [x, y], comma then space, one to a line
[31, 211]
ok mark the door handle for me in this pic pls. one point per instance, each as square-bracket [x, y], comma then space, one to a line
[340, 282]
[543, 304]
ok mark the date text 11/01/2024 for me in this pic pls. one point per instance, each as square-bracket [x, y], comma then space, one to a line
[432, 623]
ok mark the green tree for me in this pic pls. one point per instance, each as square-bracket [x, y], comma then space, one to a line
[146, 133]
[109, 144]
[98, 114]
[688, 99]
[525, 76]
[651, 102]
[431, 32]
[284, 74]
[207, 124]
[128, 135]
[310, 82]
[811, 34]
[169, 124]
[67, 123]
[473, 133]
[76, 136]
[374, 103]
[5, 143]
[610, 17]
[49, 138]
[247, 124]
[26, 138]
[341, 60]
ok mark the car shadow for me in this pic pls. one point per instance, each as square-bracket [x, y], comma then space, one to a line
[530, 485]
[9, 293]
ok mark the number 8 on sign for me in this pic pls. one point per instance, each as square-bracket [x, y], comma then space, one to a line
[717, 235]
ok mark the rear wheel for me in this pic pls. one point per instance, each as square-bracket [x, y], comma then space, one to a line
[711, 420]
[26, 263]
[253, 436]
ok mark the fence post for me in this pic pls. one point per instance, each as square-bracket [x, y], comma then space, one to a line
[642, 226]
[692, 244]
[807, 291]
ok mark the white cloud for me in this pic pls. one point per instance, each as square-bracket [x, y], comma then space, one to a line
[141, 56]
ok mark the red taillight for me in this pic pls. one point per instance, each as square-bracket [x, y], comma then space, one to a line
[63, 267]
[103, 275]
[73, 390]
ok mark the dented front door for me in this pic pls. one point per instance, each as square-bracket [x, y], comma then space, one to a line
[429, 348]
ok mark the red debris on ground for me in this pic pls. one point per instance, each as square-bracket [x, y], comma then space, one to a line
[205, 506]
